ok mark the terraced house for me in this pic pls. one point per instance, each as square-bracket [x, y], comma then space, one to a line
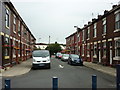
[99, 40]
[16, 40]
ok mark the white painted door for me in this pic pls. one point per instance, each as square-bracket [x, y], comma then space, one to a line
[110, 57]
[99, 57]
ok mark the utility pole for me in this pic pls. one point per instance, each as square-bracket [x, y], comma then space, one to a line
[39, 39]
[49, 40]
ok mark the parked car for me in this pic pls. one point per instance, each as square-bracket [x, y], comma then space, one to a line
[75, 60]
[58, 55]
[65, 57]
[41, 58]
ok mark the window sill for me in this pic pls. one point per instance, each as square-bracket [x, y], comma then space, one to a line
[94, 37]
[14, 32]
[116, 58]
[104, 57]
[104, 34]
[94, 56]
[14, 56]
[117, 30]
[88, 39]
[83, 55]
[19, 35]
[7, 57]
[88, 55]
[7, 27]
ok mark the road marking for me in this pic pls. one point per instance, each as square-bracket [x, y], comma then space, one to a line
[61, 66]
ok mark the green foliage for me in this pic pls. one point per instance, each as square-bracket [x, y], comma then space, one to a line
[54, 48]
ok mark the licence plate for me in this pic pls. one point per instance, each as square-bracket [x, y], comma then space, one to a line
[41, 64]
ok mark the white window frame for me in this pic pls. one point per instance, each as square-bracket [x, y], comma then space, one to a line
[94, 50]
[117, 13]
[7, 19]
[95, 30]
[116, 46]
[88, 33]
[19, 27]
[104, 26]
[14, 23]
[83, 34]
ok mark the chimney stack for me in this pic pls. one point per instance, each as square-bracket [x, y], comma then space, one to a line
[93, 19]
[89, 22]
[99, 16]
[105, 12]
[114, 6]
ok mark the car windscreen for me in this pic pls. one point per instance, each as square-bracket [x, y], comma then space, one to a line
[66, 55]
[41, 53]
[74, 56]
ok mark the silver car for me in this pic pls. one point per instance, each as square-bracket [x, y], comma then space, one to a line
[65, 57]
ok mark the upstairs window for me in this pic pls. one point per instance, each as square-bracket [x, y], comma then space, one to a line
[7, 19]
[14, 23]
[104, 26]
[95, 30]
[117, 21]
[88, 33]
[78, 37]
[83, 35]
[19, 28]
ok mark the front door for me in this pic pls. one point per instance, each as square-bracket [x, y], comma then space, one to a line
[99, 57]
[110, 50]
[110, 56]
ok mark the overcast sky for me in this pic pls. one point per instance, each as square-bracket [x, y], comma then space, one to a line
[57, 18]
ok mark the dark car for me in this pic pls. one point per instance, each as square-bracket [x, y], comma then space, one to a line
[75, 60]
[58, 55]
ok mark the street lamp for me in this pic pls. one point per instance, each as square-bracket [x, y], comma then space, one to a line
[78, 29]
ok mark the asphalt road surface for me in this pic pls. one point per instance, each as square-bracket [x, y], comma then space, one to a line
[68, 77]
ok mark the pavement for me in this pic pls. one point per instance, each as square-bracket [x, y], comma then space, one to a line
[25, 67]
[19, 69]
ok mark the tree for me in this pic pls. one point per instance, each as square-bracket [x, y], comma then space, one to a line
[54, 48]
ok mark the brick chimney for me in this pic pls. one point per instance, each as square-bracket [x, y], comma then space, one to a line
[114, 6]
[85, 25]
[99, 16]
[93, 19]
[106, 11]
[89, 22]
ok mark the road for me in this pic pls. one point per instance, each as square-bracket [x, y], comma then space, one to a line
[69, 77]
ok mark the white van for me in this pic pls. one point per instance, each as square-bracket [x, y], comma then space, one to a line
[41, 58]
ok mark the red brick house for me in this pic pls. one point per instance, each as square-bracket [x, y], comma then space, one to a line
[99, 40]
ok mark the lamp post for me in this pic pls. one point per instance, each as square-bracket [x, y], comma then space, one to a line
[78, 29]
